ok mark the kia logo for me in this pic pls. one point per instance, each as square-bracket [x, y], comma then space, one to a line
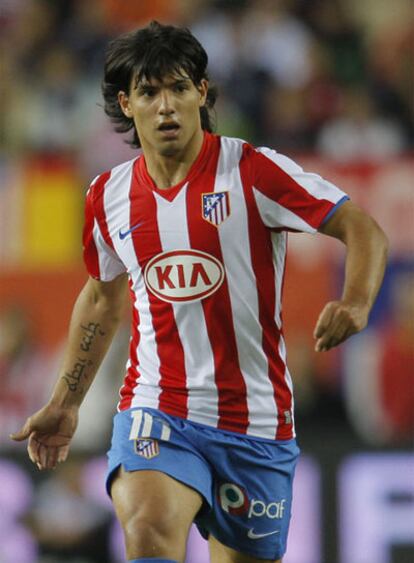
[183, 275]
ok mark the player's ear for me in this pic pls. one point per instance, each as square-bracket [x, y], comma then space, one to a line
[203, 89]
[123, 100]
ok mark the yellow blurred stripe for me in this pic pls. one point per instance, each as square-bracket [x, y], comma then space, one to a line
[52, 218]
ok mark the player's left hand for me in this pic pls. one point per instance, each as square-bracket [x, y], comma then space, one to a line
[337, 322]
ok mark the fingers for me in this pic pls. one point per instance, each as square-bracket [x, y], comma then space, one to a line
[62, 454]
[334, 334]
[48, 456]
[323, 321]
[335, 324]
[49, 432]
[43, 455]
[322, 328]
[33, 449]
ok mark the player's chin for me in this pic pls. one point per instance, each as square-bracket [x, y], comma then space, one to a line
[169, 149]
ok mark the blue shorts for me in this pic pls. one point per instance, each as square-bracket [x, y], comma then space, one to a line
[246, 483]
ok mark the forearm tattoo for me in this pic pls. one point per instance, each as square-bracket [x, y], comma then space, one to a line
[75, 378]
[90, 331]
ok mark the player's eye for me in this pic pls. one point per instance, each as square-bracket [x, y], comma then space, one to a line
[180, 87]
[147, 92]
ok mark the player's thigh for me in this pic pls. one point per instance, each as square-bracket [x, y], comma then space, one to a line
[155, 498]
[220, 553]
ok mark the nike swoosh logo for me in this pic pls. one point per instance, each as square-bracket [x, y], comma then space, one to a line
[253, 536]
[129, 231]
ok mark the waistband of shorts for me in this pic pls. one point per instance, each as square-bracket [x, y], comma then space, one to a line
[213, 429]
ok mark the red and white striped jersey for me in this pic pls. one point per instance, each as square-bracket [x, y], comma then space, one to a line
[205, 261]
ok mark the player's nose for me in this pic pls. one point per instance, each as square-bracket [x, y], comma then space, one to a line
[166, 106]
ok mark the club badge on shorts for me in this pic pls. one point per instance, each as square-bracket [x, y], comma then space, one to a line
[215, 207]
[146, 447]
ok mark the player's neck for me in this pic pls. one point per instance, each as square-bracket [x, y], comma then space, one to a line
[168, 171]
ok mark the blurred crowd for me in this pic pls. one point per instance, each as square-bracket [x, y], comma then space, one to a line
[327, 75]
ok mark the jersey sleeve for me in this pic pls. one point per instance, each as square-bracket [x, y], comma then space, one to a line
[288, 198]
[101, 260]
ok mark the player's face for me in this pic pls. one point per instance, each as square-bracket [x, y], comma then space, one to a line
[166, 113]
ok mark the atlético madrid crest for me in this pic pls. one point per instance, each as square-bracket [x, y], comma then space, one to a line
[146, 447]
[215, 207]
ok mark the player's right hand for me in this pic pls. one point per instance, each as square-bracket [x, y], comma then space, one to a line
[50, 431]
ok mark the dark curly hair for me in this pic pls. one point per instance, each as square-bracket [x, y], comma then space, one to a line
[153, 52]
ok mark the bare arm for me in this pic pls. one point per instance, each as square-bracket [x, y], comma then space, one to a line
[95, 318]
[366, 255]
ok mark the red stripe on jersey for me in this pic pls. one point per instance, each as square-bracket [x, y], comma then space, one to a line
[261, 251]
[90, 252]
[277, 185]
[147, 243]
[132, 376]
[98, 190]
[231, 387]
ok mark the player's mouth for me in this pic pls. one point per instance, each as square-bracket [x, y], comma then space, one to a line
[169, 129]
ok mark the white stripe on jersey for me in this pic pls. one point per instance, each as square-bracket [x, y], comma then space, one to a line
[116, 193]
[314, 184]
[147, 391]
[279, 243]
[282, 352]
[198, 355]
[276, 216]
[109, 264]
[235, 246]
[288, 379]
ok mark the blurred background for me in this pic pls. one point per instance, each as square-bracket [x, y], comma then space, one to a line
[327, 82]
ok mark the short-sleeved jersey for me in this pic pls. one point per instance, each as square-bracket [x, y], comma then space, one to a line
[205, 261]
